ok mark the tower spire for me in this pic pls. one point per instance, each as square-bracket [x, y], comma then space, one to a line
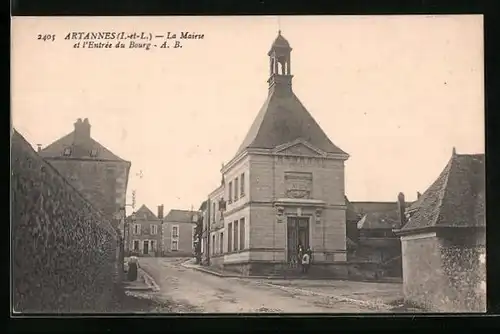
[280, 71]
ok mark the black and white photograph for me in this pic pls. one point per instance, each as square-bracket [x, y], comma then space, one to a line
[248, 164]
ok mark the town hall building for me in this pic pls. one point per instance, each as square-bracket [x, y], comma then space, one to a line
[283, 188]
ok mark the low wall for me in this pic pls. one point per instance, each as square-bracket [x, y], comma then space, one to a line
[64, 253]
[445, 276]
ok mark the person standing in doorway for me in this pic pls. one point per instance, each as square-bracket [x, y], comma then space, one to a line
[300, 252]
[306, 260]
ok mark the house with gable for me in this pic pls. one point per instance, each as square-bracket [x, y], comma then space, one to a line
[143, 234]
[96, 172]
[443, 240]
[283, 188]
[179, 229]
[374, 250]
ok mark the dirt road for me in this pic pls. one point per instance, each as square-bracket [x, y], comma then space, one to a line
[194, 291]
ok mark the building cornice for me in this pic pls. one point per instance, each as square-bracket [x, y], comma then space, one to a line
[276, 152]
[216, 191]
[300, 202]
[435, 229]
[237, 158]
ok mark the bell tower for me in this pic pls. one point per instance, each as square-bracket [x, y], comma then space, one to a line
[280, 70]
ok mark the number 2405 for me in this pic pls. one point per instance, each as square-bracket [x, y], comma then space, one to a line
[46, 37]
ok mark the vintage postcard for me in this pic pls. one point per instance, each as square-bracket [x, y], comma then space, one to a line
[294, 164]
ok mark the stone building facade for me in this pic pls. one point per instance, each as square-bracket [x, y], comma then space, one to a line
[284, 186]
[178, 233]
[214, 247]
[143, 234]
[92, 169]
[443, 241]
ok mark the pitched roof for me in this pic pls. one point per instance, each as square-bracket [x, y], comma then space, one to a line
[351, 212]
[456, 198]
[280, 42]
[180, 216]
[144, 213]
[283, 119]
[380, 220]
[81, 150]
[366, 207]
[203, 206]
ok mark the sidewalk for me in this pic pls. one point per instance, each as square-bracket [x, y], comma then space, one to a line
[379, 296]
[229, 274]
[144, 282]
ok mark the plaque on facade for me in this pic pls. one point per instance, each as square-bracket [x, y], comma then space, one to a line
[298, 184]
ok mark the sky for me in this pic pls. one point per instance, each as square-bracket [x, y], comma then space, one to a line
[397, 93]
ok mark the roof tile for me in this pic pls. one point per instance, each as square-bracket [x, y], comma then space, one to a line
[456, 198]
[180, 216]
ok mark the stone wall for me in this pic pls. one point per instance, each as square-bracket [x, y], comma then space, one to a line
[103, 183]
[64, 253]
[444, 276]
[465, 272]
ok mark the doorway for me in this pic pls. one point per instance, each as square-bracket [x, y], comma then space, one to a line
[297, 234]
[145, 247]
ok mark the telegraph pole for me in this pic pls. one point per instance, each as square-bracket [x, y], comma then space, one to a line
[208, 230]
[126, 227]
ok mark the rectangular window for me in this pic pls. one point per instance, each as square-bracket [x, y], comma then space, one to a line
[229, 237]
[242, 186]
[236, 194]
[67, 151]
[175, 231]
[242, 233]
[154, 229]
[145, 247]
[153, 245]
[213, 244]
[213, 213]
[175, 245]
[230, 197]
[236, 235]
[221, 241]
[137, 229]
[136, 245]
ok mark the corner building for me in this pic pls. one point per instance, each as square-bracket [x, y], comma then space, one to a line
[284, 186]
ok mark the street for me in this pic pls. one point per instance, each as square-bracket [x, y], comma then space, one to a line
[192, 291]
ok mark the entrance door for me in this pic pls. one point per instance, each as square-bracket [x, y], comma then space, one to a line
[146, 247]
[297, 234]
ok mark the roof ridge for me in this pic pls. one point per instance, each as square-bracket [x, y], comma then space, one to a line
[444, 189]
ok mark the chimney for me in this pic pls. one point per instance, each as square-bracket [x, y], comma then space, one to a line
[82, 131]
[39, 148]
[418, 194]
[160, 211]
[401, 209]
